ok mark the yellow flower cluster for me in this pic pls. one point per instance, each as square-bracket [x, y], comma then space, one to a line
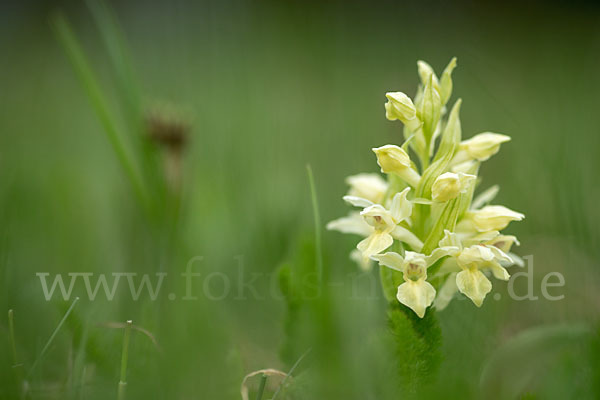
[424, 222]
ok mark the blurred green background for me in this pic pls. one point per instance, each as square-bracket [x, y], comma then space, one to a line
[268, 87]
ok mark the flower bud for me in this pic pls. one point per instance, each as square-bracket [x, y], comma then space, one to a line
[449, 185]
[494, 218]
[483, 146]
[393, 159]
[430, 108]
[400, 106]
[426, 73]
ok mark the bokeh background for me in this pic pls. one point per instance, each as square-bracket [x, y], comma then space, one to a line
[266, 88]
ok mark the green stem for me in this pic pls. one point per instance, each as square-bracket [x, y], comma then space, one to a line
[317, 221]
[16, 366]
[417, 346]
[11, 331]
[124, 358]
[425, 158]
[261, 387]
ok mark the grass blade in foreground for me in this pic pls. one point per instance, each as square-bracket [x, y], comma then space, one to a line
[124, 358]
[51, 339]
[92, 89]
[317, 219]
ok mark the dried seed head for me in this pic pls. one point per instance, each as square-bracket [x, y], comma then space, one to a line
[168, 130]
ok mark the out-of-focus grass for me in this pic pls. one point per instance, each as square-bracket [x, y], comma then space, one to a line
[271, 87]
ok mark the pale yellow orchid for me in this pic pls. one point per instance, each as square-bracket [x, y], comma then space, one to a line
[377, 224]
[384, 224]
[400, 107]
[415, 293]
[444, 85]
[394, 160]
[480, 147]
[488, 218]
[504, 243]
[471, 281]
[447, 220]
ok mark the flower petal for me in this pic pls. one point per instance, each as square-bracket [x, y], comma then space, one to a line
[390, 259]
[499, 271]
[375, 243]
[401, 207]
[499, 254]
[406, 236]
[473, 284]
[503, 242]
[446, 293]
[371, 187]
[450, 240]
[417, 295]
[353, 223]
[449, 265]
[439, 253]
[485, 197]
[494, 218]
[364, 263]
[357, 201]
[518, 261]
[479, 238]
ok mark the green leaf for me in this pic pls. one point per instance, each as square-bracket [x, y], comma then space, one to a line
[449, 143]
[452, 133]
[118, 55]
[447, 220]
[430, 110]
[91, 86]
[446, 81]
[467, 198]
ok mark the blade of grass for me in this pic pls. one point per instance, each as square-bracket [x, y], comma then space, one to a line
[281, 385]
[128, 87]
[90, 84]
[79, 363]
[261, 387]
[82, 383]
[16, 366]
[51, 339]
[11, 332]
[317, 222]
[115, 45]
[124, 358]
